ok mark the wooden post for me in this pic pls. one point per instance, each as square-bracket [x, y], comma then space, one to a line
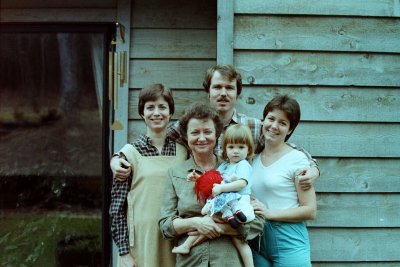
[225, 32]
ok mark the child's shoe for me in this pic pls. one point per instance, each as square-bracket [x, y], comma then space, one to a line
[240, 215]
[233, 222]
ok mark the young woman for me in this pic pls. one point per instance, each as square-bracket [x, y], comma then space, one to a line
[135, 230]
[282, 202]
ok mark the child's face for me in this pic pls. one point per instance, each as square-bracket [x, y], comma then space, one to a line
[236, 152]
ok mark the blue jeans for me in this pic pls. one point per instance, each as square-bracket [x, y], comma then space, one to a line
[282, 245]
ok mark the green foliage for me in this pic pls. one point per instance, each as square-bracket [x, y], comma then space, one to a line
[32, 240]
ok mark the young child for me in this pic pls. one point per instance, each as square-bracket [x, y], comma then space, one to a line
[231, 198]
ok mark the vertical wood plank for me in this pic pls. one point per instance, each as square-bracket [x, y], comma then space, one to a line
[225, 32]
[121, 113]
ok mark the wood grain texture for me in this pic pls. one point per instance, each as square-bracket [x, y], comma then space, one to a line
[174, 14]
[318, 68]
[58, 4]
[182, 74]
[317, 33]
[379, 8]
[225, 32]
[357, 210]
[352, 104]
[350, 244]
[363, 140]
[59, 15]
[122, 90]
[358, 175]
[173, 43]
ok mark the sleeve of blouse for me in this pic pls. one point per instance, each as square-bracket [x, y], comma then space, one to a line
[312, 161]
[119, 225]
[169, 211]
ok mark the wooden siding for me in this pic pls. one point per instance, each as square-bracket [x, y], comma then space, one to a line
[174, 43]
[341, 61]
[58, 11]
[362, 8]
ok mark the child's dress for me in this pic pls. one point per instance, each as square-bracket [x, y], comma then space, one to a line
[229, 202]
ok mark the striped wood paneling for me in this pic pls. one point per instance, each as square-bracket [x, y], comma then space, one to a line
[317, 33]
[319, 68]
[173, 43]
[187, 14]
[336, 103]
[358, 175]
[59, 15]
[363, 8]
[354, 244]
[181, 74]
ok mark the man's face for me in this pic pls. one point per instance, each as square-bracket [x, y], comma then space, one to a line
[223, 93]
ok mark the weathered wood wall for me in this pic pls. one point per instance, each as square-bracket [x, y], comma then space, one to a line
[341, 61]
[58, 11]
[172, 42]
[339, 58]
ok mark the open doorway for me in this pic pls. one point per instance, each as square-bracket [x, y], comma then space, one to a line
[54, 138]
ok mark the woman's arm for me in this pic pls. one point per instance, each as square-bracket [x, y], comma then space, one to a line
[203, 225]
[306, 211]
[119, 225]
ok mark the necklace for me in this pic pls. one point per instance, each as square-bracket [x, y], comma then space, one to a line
[207, 166]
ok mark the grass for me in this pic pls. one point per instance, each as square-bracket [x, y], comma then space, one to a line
[31, 239]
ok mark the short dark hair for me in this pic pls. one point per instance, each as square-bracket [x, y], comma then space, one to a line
[199, 111]
[226, 70]
[288, 105]
[152, 92]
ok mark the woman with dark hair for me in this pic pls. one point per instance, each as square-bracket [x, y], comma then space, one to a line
[281, 201]
[135, 228]
[181, 212]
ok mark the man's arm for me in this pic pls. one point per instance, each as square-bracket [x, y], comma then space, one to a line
[120, 167]
[307, 176]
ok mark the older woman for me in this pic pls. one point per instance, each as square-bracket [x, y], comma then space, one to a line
[281, 200]
[180, 211]
[148, 158]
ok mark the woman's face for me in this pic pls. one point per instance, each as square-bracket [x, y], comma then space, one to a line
[276, 126]
[156, 114]
[201, 136]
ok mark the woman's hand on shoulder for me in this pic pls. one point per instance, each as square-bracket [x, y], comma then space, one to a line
[307, 177]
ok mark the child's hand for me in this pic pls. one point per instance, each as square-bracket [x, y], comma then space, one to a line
[193, 176]
[217, 189]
